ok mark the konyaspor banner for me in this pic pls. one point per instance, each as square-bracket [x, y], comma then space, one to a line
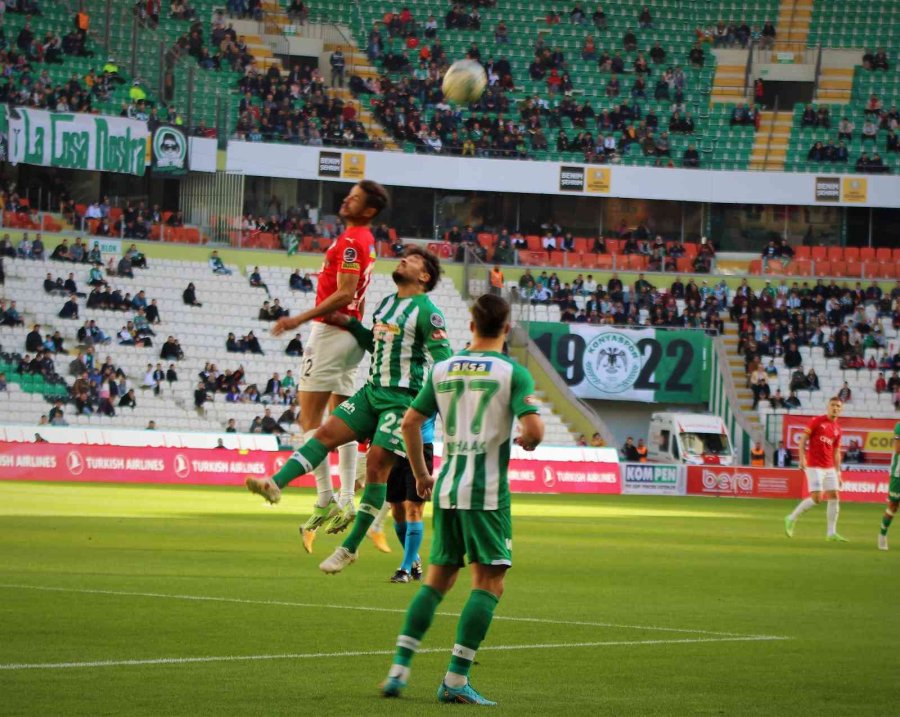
[651, 365]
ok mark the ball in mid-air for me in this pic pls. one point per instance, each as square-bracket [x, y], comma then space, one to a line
[464, 82]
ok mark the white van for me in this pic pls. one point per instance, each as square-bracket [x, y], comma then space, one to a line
[693, 438]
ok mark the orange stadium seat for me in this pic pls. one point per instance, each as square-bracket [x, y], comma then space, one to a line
[637, 262]
[883, 254]
[867, 253]
[802, 252]
[613, 246]
[532, 258]
[838, 268]
[691, 250]
[557, 258]
[604, 261]
[582, 245]
[823, 268]
[800, 268]
[588, 261]
[819, 253]
[854, 269]
[534, 242]
[684, 264]
[895, 256]
[756, 266]
[835, 253]
[851, 253]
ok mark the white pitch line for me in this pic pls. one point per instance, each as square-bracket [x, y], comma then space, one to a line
[366, 608]
[364, 653]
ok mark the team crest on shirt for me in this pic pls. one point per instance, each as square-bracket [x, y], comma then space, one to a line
[350, 254]
[437, 321]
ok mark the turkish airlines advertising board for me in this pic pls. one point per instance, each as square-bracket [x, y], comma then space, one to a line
[747, 482]
[120, 464]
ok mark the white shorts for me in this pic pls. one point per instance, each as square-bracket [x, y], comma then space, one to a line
[821, 479]
[331, 359]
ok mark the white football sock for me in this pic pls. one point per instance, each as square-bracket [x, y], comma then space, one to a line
[378, 524]
[401, 672]
[347, 458]
[803, 506]
[322, 474]
[832, 510]
[451, 679]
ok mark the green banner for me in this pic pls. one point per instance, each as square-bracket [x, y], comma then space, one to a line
[651, 365]
[73, 140]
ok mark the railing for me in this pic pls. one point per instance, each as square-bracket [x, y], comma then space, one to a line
[785, 52]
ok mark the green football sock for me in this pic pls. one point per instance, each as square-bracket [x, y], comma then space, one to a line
[419, 616]
[886, 521]
[302, 461]
[372, 500]
[471, 629]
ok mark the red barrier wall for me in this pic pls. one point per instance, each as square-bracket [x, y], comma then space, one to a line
[118, 464]
[747, 482]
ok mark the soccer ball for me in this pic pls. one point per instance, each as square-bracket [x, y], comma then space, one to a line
[464, 82]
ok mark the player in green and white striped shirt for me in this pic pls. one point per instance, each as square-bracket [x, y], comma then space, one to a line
[479, 393]
[408, 334]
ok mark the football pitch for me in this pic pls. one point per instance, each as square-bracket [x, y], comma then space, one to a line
[127, 600]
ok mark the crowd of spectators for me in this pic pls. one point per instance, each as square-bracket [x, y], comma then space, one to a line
[878, 122]
[642, 304]
[776, 321]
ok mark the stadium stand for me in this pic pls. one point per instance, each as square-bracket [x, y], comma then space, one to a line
[528, 98]
[229, 305]
[844, 334]
[874, 23]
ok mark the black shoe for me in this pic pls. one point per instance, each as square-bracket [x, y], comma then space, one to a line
[401, 576]
[416, 571]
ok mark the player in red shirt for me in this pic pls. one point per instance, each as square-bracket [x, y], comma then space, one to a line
[332, 355]
[820, 459]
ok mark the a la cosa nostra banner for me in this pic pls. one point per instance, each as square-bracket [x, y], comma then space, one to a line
[73, 140]
[610, 363]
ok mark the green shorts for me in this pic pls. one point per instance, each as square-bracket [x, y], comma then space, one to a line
[484, 536]
[375, 413]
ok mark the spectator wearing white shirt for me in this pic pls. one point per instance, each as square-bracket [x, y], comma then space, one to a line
[549, 241]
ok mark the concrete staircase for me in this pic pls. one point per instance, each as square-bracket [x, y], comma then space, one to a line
[728, 84]
[736, 364]
[772, 138]
[792, 26]
[835, 85]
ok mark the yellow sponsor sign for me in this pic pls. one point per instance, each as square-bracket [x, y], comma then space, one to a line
[599, 179]
[354, 166]
[879, 441]
[855, 189]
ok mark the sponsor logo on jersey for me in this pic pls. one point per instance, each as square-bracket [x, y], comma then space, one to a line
[350, 254]
[470, 368]
[349, 266]
[437, 321]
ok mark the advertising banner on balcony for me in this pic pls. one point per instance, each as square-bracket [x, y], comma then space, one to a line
[651, 365]
[76, 141]
[875, 436]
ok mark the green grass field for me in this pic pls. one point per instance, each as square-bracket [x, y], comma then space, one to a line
[120, 600]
